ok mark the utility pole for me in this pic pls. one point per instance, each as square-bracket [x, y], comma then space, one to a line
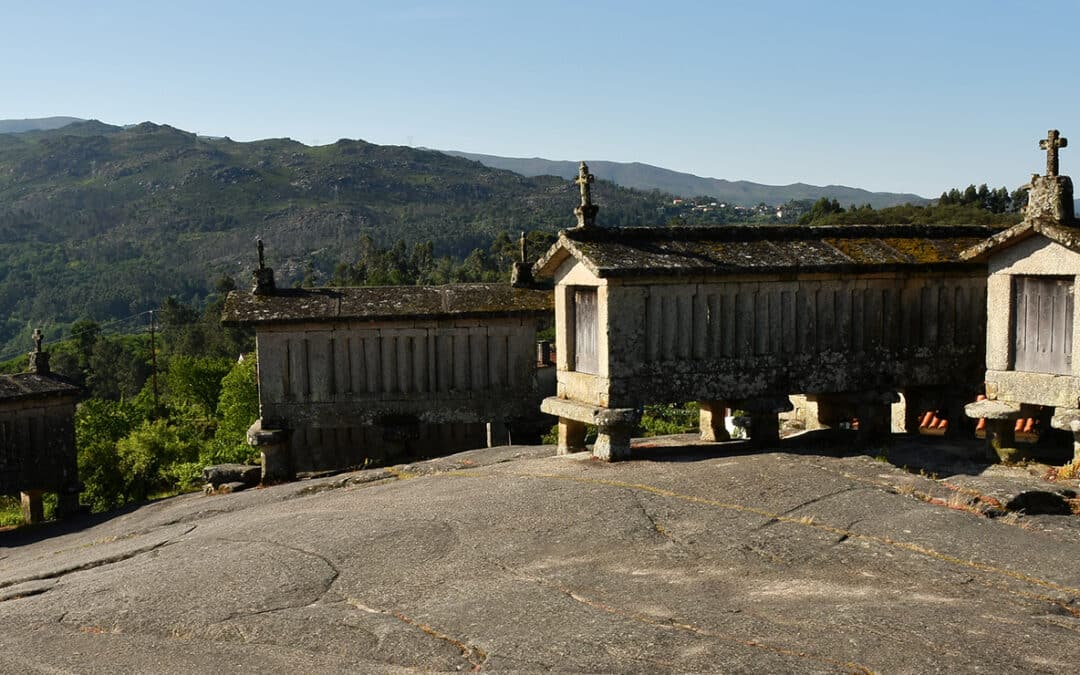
[153, 364]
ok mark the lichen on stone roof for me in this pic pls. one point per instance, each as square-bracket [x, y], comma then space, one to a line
[383, 303]
[33, 385]
[728, 249]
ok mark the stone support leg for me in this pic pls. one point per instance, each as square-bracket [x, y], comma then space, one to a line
[67, 504]
[875, 422]
[711, 421]
[571, 436]
[764, 429]
[1001, 441]
[273, 445]
[33, 509]
[613, 442]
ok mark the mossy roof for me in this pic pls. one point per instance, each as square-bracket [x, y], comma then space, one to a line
[654, 251]
[385, 303]
[32, 385]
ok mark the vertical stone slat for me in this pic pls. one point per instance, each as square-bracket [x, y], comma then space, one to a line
[373, 363]
[478, 355]
[701, 324]
[776, 321]
[946, 314]
[388, 362]
[404, 362]
[496, 360]
[806, 308]
[716, 337]
[446, 367]
[890, 318]
[727, 319]
[858, 317]
[461, 362]
[929, 300]
[843, 316]
[654, 320]
[874, 312]
[669, 310]
[961, 320]
[419, 364]
[790, 322]
[826, 320]
[684, 304]
[761, 320]
[744, 321]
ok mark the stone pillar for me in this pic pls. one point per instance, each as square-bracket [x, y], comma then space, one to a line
[765, 418]
[273, 445]
[1068, 419]
[33, 509]
[497, 433]
[67, 504]
[711, 421]
[1000, 420]
[614, 427]
[875, 422]
[613, 442]
[571, 436]
[764, 428]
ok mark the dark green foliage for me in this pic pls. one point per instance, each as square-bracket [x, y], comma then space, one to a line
[972, 206]
[237, 409]
[664, 419]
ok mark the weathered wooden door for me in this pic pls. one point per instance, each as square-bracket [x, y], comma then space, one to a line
[1042, 325]
[585, 331]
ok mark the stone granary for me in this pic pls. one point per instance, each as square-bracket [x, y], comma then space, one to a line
[745, 316]
[1031, 293]
[352, 374]
[37, 437]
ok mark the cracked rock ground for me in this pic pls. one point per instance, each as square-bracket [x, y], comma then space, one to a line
[692, 558]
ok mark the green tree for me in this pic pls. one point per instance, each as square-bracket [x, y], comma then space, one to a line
[237, 409]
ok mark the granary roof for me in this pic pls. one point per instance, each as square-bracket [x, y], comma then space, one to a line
[383, 303]
[1066, 235]
[33, 385]
[676, 251]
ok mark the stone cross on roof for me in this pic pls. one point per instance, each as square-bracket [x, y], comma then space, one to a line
[38, 337]
[586, 212]
[585, 179]
[1051, 144]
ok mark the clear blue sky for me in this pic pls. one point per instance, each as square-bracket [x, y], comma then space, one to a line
[900, 96]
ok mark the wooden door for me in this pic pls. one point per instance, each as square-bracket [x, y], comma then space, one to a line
[585, 331]
[1042, 325]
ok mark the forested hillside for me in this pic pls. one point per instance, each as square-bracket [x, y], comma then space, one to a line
[102, 222]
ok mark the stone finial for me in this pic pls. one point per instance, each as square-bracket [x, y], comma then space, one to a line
[39, 360]
[586, 212]
[1051, 144]
[521, 245]
[264, 276]
[1050, 197]
[521, 272]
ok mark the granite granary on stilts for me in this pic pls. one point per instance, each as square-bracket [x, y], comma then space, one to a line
[743, 317]
[350, 375]
[37, 437]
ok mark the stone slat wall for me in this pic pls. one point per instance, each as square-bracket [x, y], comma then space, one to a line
[387, 363]
[37, 447]
[706, 321]
[745, 338]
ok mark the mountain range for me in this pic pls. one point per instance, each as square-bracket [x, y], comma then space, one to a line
[739, 193]
[102, 221]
